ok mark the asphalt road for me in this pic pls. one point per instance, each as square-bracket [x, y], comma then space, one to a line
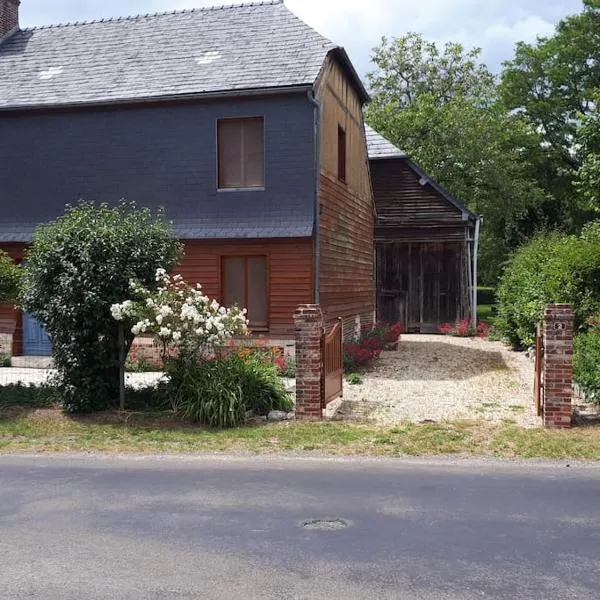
[87, 528]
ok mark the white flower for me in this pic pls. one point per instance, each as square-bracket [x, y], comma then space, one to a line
[159, 319]
[176, 336]
[116, 311]
[164, 332]
[135, 329]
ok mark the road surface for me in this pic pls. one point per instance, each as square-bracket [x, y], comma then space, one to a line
[234, 528]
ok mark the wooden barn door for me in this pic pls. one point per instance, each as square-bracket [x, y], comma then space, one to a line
[441, 285]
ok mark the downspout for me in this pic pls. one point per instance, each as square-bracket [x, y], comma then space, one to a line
[478, 222]
[318, 108]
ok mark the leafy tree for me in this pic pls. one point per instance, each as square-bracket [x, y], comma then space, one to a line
[552, 84]
[10, 278]
[587, 178]
[77, 268]
[441, 107]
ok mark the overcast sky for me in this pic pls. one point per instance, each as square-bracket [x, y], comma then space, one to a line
[493, 25]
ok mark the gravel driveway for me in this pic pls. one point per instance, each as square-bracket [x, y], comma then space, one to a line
[436, 378]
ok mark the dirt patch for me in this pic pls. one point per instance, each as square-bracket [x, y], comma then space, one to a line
[433, 378]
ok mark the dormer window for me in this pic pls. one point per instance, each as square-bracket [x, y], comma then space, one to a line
[241, 153]
[341, 154]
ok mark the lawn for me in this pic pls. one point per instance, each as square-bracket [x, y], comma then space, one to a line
[486, 300]
[49, 430]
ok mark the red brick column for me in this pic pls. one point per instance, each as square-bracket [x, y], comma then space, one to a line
[308, 319]
[558, 365]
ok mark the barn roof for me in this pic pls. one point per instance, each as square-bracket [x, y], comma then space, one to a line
[237, 48]
[379, 147]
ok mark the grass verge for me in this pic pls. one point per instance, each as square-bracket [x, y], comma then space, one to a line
[49, 430]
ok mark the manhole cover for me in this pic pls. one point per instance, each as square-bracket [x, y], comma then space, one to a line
[325, 524]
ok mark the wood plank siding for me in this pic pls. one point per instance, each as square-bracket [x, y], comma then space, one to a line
[408, 209]
[290, 277]
[290, 273]
[347, 220]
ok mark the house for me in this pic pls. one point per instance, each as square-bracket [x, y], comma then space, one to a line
[242, 121]
[426, 244]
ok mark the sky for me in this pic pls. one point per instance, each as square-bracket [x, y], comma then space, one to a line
[358, 25]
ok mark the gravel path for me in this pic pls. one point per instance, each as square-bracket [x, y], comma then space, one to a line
[436, 378]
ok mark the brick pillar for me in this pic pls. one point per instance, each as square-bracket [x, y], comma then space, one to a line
[308, 319]
[558, 365]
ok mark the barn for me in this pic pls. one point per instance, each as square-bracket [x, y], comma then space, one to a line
[426, 244]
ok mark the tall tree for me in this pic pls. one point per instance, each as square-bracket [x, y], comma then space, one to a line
[552, 84]
[441, 107]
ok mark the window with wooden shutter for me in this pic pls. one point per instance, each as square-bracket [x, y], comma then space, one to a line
[341, 154]
[241, 153]
[245, 283]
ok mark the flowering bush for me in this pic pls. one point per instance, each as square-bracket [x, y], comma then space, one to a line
[465, 328]
[181, 317]
[361, 352]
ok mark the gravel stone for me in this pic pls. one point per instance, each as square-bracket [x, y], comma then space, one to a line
[438, 378]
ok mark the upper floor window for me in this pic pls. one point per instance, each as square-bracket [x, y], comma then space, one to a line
[341, 154]
[241, 153]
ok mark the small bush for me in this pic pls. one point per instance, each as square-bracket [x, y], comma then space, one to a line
[218, 392]
[354, 379]
[5, 361]
[29, 396]
[80, 265]
[10, 278]
[359, 353]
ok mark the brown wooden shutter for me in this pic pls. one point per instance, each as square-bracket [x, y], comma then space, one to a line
[258, 309]
[245, 284]
[234, 286]
[230, 153]
[241, 153]
[254, 153]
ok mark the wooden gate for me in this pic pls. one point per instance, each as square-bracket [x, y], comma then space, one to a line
[332, 381]
[538, 384]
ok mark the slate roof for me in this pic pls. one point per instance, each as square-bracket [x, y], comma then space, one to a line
[200, 51]
[379, 147]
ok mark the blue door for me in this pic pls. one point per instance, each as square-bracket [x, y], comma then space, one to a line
[35, 339]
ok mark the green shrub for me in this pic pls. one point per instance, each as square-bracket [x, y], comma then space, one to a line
[551, 268]
[5, 361]
[218, 392]
[586, 361]
[10, 278]
[28, 395]
[77, 268]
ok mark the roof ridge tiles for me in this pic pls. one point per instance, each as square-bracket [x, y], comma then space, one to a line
[156, 14]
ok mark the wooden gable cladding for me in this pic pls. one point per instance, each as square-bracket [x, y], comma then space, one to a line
[289, 273]
[342, 108]
[346, 277]
[402, 200]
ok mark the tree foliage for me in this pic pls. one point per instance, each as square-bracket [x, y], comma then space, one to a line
[553, 85]
[77, 268]
[441, 107]
[10, 278]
